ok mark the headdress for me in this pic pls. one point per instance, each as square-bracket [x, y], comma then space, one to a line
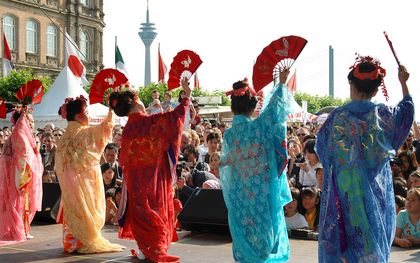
[20, 108]
[63, 108]
[372, 75]
[242, 91]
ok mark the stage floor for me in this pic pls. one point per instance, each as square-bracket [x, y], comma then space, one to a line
[47, 247]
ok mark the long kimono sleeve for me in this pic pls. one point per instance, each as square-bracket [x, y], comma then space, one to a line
[101, 133]
[403, 119]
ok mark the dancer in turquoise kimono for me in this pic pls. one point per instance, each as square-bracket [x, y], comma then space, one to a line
[355, 144]
[252, 174]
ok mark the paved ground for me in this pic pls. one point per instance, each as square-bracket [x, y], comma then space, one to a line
[46, 247]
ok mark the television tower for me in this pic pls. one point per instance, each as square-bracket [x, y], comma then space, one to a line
[147, 34]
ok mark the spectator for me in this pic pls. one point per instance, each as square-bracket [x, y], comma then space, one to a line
[154, 106]
[197, 119]
[222, 128]
[185, 140]
[57, 134]
[48, 150]
[399, 203]
[111, 157]
[408, 221]
[116, 139]
[167, 104]
[400, 186]
[111, 211]
[190, 113]
[309, 206]
[301, 133]
[215, 164]
[195, 139]
[319, 177]
[213, 143]
[109, 176]
[307, 175]
[294, 219]
[191, 153]
[414, 179]
[49, 127]
[409, 163]
[296, 157]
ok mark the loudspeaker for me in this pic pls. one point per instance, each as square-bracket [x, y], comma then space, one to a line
[205, 211]
[51, 193]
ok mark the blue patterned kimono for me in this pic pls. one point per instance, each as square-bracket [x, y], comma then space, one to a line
[355, 144]
[254, 182]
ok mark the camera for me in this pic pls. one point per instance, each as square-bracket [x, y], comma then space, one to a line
[179, 167]
[395, 162]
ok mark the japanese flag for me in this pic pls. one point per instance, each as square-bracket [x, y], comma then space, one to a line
[73, 60]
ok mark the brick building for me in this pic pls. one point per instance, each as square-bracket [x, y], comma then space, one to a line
[37, 43]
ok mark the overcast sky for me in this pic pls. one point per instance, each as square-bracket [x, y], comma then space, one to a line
[230, 34]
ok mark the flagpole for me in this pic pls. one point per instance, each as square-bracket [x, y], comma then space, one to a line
[115, 50]
[2, 47]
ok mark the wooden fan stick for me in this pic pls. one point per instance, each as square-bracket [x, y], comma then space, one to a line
[392, 49]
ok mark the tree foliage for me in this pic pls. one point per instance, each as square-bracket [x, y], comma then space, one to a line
[11, 84]
[145, 93]
[316, 102]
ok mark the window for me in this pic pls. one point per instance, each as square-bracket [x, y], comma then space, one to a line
[51, 41]
[84, 45]
[9, 28]
[84, 2]
[31, 37]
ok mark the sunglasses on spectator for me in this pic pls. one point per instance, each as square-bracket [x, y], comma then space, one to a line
[58, 134]
[301, 134]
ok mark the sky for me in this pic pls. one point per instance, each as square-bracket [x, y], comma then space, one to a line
[230, 34]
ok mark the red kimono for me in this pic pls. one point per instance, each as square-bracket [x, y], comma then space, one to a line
[149, 150]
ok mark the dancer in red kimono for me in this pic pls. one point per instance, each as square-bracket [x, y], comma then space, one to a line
[149, 151]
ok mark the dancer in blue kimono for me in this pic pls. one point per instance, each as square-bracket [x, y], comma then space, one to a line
[252, 174]
[355, 144]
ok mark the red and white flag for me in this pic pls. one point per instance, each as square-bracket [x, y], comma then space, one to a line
[73, 60]
[7, 58]
[196, 81]
[292, 82]
[162, 68]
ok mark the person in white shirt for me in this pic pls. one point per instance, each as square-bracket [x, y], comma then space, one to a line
[154, 106]
[293, 218]
[307, 174]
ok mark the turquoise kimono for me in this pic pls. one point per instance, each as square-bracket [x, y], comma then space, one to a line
[254, 182]
[355, 144]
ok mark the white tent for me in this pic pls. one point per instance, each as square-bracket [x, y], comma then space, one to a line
[299, 114]
[64, 86]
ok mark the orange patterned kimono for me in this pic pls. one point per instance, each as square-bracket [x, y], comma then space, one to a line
[82, 189]
[149, 150]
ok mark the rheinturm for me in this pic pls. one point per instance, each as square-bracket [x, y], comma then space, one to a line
[147, 34]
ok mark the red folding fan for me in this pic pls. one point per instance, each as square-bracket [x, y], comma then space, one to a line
[31, 92]
[105, 82]
[3, 109]
[184, 65]
[281, 53]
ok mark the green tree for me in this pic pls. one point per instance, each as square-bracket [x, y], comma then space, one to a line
[145, 93]
[11, 84]
[316, 102]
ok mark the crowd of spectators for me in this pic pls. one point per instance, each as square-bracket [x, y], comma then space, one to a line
[198, 166]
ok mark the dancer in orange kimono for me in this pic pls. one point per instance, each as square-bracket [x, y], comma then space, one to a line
[149, 151]
[82, 189]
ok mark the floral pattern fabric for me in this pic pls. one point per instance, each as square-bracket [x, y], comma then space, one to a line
[355, 144]
[20, 183]
[82, 189]
[147, 142]
[254, 181]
